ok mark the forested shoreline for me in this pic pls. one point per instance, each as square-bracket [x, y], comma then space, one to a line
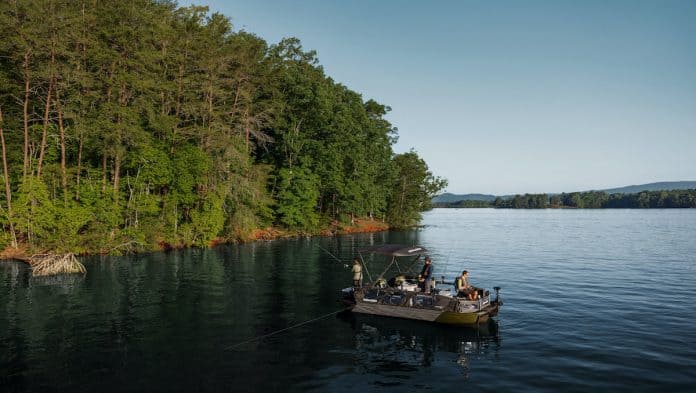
[587, 200]
[138, 125]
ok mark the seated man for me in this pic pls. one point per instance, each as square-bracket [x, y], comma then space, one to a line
[464, 289]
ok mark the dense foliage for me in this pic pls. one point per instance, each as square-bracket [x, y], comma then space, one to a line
[127, 124]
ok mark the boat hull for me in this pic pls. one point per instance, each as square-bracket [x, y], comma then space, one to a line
[396, 311]
[445, 317]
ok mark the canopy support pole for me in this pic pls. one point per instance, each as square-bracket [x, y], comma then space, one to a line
[362, 261]
[387, 269]
[410, 268]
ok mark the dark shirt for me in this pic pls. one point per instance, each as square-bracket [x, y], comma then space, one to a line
[427, 271]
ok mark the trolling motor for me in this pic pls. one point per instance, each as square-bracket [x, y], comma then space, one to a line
[497, 296]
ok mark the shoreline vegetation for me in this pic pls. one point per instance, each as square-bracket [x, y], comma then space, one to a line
[139, 126]
[45, 264]
[586, 200]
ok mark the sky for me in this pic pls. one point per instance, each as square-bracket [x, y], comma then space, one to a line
[505, 97]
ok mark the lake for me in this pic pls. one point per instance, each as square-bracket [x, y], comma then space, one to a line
[595, 300]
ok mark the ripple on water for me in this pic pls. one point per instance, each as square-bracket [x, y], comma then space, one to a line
[597, 301]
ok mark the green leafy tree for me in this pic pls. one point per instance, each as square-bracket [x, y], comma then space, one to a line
[34, 212]
[297, 198]
[129, 125]
[413, 188]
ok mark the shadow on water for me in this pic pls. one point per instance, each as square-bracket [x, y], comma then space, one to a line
[65, 282]
[386, 345]
[19, 274]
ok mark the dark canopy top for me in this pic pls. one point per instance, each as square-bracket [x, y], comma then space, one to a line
[397, 250]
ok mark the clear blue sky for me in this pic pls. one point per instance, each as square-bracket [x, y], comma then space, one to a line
[512, 96]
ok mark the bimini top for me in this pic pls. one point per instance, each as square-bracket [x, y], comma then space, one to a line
[396, 250]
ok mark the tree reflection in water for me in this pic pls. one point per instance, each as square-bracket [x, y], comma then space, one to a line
[399, 347]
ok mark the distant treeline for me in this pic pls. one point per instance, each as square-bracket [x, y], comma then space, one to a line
[588, 200]
[464, 204]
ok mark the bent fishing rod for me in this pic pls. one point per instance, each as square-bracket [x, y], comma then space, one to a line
[333, 256]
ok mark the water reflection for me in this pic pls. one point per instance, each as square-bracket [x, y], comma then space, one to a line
[396, 346]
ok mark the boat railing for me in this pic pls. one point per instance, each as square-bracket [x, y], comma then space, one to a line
[471, 305]
[399, 297]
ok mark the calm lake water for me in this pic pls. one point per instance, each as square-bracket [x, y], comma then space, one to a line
[595, 300]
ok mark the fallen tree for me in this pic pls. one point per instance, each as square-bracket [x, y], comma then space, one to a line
[50, 264]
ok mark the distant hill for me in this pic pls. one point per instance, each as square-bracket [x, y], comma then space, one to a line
[665, 185]
[451, 198]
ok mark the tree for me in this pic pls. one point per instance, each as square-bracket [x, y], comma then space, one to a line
[140, 123]
[413, 188]
[6, 181]
[297, 198]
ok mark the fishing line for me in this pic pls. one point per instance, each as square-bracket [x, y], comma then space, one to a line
[447, 265]
[333, 256]
[285, 329]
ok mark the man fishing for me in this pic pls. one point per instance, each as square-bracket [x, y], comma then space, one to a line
[425, 275]
[357, 273]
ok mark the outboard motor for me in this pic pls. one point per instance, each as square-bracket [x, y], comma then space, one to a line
[497, 296]
[348, 294]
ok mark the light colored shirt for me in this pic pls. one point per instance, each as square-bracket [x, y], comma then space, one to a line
[462, 283]
[357, 272]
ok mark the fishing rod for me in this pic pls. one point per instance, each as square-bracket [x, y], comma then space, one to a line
[345, 265]
[333, 256]
[449, 254]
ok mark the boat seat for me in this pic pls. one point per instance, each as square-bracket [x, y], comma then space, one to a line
[423, 301]
[372, 294]
[443, 301]
[395, 300]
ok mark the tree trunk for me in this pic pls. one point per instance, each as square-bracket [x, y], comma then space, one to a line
[233, 110]
[179, 96]
[109, 93]
[123, 101]
[63, 173]
[25, 160]
[51, 82]
[177, 106]
[117, 170]
[205, 140]
[79, 167]
[247, 132]
[164, 108]
[42, 148]
[104, 172]
[8, 191]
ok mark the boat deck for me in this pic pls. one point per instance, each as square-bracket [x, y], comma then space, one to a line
[394, 302]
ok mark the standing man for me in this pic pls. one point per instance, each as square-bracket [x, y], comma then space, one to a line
[357, 273]
[426, 274]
